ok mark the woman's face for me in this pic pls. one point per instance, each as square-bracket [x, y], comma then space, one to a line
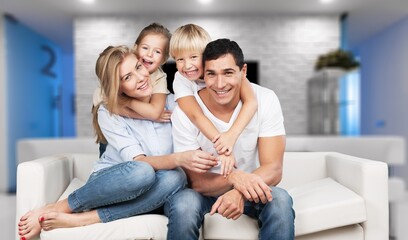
[134, 78]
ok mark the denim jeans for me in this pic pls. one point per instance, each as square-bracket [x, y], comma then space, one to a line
[126, 189]
[186, 210]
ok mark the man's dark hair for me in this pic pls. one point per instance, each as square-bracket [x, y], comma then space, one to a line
[221, 47]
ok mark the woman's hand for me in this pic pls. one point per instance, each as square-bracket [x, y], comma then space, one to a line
[196, 160]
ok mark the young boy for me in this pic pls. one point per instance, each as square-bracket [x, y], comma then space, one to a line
[186, 47]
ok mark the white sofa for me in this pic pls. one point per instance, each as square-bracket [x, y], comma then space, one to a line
[388, 149]
[336, 196]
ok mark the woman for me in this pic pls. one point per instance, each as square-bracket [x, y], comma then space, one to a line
[138, 171]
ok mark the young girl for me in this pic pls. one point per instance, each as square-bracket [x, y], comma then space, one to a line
[186, 47]
[152, 48]
[138, 171]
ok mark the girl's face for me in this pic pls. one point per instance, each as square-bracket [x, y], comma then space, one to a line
[134, 78]
[189, 64]
[151, 51]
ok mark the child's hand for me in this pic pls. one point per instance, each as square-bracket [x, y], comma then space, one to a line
[224, 143]
[227, 164]
[165, 116]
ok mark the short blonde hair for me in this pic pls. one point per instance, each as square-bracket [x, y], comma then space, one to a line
[189, 37]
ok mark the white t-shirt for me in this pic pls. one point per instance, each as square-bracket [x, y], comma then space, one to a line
[183, 87]
[266, 122]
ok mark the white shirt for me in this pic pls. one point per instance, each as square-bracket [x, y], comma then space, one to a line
[266, 122]
[183, 87]
[129, 137]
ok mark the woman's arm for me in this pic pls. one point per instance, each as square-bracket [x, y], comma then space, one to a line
[194, 112]
[224, 143]
[193, 160]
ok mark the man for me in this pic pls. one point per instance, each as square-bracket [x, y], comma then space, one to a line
[258, 153]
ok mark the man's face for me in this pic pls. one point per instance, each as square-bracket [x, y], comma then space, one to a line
[223, 79]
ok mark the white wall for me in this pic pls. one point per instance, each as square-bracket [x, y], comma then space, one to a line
[3, 119]
[384, 85]
[285, 46]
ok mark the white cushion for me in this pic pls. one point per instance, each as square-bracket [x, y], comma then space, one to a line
[319, 205]
[149, 226]
[218, 227]
[325, 204]
[74, 185]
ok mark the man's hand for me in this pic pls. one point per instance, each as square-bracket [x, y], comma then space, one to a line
[251, 186]
[196, 160]
[229, 205]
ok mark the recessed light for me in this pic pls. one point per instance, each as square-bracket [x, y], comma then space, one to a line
[205, 1]
[88, 1]
[326, 1]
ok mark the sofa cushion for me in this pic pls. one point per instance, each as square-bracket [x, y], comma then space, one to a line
[74, 185]
[325, 204]
[319, 205]
[149, 226]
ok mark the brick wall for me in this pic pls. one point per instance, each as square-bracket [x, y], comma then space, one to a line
[285, 47]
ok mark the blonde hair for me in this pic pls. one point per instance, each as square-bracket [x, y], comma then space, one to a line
[107, 71]
[158, 29]
[190, 38]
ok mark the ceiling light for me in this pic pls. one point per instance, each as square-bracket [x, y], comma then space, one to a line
[326, 1]
[205, 1]
[88, 1]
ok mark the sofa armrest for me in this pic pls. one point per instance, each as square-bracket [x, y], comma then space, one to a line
[42, 181]
[368, 179]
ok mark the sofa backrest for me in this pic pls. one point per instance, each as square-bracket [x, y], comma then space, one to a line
[82, 165]
[388, 149]
[302, 167]
[33, 148]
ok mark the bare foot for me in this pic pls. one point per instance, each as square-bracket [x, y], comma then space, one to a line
[29, 225]
[53, 220]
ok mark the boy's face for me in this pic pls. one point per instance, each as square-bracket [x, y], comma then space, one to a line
[151, 51]
[189, 64]
[223, 79]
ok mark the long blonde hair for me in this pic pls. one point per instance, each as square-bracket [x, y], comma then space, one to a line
[107, 71]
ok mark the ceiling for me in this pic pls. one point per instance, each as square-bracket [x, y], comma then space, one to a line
[53, 19]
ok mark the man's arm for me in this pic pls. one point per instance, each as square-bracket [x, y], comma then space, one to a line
[255, 186]
[271, 150]
[208, 183]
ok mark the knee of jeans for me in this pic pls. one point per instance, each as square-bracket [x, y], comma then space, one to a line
[281, 199]
[138, 172]
[176, 178]
[185, 203]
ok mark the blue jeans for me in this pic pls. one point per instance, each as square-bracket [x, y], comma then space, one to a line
[126, 189]
[186, 210]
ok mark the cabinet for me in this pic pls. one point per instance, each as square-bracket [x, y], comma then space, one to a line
[323, 102]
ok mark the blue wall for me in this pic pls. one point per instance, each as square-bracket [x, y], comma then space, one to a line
[34, 79]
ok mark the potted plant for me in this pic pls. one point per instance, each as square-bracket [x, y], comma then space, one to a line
[337, 59]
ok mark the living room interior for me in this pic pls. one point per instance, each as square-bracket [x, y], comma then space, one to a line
[49, 51]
